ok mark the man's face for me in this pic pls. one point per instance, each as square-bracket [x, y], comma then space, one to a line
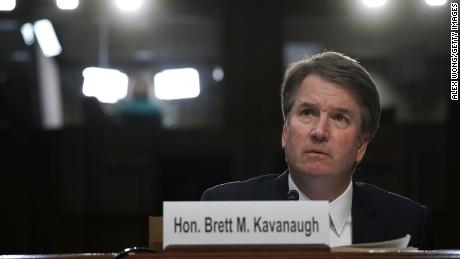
[321, 135]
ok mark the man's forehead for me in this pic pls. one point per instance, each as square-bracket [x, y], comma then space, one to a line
[327, 97]
[344, 109]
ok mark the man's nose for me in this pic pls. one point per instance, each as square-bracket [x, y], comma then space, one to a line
[320, 130]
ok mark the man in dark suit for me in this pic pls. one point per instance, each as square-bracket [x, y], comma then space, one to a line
[331, 111]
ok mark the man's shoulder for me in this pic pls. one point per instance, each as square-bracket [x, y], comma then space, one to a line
[392, 214]
[383, 198]
[262, 179]
[251, 189]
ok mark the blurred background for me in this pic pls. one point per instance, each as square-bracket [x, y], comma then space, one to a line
[108, 108]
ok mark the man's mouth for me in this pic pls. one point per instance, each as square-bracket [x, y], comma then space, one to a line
[316, 152]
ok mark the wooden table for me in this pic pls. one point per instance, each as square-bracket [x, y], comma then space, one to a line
[268, 255]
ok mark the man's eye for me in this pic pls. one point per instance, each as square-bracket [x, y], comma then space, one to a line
[340, 118]
[307, 112]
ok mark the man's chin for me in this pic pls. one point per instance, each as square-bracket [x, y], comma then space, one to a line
[316, 172]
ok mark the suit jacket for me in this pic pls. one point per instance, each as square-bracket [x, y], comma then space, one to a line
[377, 215]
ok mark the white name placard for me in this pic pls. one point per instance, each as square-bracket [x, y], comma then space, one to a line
[245, 223]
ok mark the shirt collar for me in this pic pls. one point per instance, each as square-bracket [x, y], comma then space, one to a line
[339, 209]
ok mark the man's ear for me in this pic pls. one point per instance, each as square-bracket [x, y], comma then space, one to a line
[283, 134]
[362, 146]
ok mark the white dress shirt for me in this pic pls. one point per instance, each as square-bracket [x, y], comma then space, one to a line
[340, 233]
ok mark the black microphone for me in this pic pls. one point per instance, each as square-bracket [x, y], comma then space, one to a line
[292, 195]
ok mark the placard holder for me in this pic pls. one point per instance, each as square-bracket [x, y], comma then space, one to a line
[156, 242]
[248, 248]
[156, 233]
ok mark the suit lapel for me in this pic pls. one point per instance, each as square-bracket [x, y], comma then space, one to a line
[278, 187]
[365, 220]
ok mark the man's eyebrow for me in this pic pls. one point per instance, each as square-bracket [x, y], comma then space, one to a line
[306, 105]
[342, 111]
[336, 109]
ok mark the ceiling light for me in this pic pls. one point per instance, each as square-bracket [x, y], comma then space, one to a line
[7, 5]
[435, 2]
[129, 5]
[47, 39]
[107, 85]
[67, 4]
[218, 74]
[180, 83]
[374, 3]
[27, 31]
